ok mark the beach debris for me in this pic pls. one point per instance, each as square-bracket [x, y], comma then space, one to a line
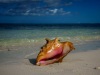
[97, 68]
[53, 52]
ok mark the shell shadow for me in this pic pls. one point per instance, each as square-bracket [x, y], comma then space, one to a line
[32, 61]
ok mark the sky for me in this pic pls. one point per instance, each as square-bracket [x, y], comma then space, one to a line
[49, 11]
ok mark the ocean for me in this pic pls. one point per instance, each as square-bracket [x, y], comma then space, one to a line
[12, 35]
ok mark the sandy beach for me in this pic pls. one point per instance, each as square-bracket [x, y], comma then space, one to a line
[56, 27]
[22, 62]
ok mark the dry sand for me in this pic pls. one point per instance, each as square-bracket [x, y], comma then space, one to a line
[80, 63]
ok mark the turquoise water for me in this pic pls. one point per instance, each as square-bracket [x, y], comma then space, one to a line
[26, 35]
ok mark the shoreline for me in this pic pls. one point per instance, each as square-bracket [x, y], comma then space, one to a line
[80, 47]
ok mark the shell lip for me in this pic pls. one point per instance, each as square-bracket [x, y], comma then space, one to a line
[45, 61]
[54, 57]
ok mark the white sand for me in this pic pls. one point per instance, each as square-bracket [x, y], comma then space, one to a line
[81, 63]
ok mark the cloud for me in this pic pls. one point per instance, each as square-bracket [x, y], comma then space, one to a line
[38, 11]
[54, 11]
[34, 7]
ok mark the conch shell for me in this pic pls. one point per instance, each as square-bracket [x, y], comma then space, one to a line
[53, 51]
